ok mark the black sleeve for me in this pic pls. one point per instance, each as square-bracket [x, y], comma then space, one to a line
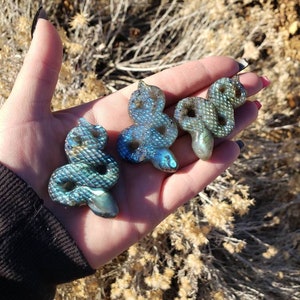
[36, 252]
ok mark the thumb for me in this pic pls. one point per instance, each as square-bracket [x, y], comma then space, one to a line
[34, 87]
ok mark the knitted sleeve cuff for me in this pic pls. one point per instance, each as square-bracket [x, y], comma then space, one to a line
[36, 252]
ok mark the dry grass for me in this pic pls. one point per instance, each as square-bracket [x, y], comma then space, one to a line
[240, 237]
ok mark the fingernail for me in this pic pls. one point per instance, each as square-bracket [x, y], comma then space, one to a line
[240, 143]
[258, 104]
[243, 64]
[40, 14]
[265, 81]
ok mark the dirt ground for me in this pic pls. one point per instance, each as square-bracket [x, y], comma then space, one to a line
[253, 250]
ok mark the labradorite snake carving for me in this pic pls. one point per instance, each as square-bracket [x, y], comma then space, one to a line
[153, 131]
[89, 174]
[213, 117]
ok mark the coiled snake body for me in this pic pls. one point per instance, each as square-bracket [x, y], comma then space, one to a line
[89, 174]
[213, 117]
[153, 132]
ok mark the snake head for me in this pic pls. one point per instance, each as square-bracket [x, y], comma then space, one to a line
[164, 160]
[103, 204]
[202, 143]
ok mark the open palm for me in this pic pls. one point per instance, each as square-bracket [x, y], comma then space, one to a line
[32, 138]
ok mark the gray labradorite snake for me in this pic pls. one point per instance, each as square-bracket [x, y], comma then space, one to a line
[213, 117]
[89, 174]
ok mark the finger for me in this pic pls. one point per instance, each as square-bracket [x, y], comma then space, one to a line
[36, 81]
[252, 83]
[177, 83]
[192, 178]
[186, 79]
[244, 116]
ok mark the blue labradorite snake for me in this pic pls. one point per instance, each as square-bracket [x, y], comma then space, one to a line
[213, 117]
[90, 173]
[153, 131]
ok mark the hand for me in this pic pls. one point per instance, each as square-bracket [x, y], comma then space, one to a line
[32, 138]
